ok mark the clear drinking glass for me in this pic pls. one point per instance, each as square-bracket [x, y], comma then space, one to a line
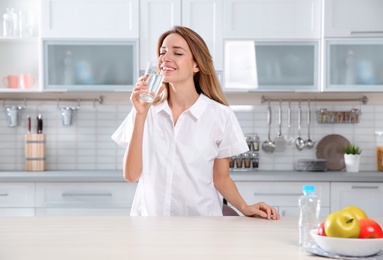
[154, 77]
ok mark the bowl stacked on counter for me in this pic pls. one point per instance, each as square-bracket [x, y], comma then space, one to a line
[249, 160]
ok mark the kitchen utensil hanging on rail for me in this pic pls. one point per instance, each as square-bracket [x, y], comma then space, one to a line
[279, 141]
[309, 142]
[299, 142]
[289, 136]
[268, 146]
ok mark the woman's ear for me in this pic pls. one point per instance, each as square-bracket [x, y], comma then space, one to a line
[195, 69]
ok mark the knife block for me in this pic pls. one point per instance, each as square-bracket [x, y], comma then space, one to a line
[35, 152]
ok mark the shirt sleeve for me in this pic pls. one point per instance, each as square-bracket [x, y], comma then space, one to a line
[123, 133]
[233, 141]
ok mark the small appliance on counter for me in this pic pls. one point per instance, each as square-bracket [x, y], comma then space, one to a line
[311, 165]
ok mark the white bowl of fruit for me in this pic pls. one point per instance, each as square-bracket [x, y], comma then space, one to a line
[349, 232]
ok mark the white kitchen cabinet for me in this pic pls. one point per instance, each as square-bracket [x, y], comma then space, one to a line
[20, 53]
[271, 65]
[209, 28]
[353, 18]
[368, 196]
[84, 198]
[90, 65]
[354, 65]
[17, 199]
[272, 19]
[283, 195]
[90, 19]
[158, 16]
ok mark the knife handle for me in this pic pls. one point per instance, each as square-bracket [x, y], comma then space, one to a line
[39, 124]
[29, 124]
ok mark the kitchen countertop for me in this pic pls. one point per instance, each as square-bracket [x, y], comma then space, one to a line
[116, 176]
[150, 238]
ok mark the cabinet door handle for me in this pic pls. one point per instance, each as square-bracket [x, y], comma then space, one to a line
[366, 32]
[3, 194]
[365, 187]
[276, 194]
[87, 194]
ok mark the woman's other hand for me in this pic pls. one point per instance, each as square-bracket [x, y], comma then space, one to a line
[261, 210]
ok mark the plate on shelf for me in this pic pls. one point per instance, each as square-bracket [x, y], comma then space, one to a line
[330, 148]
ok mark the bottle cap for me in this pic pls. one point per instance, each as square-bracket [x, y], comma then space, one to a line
[308, 188]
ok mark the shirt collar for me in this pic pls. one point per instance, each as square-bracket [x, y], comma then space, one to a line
[196, 109]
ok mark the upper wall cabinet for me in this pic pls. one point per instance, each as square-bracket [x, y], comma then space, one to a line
[210, 27]
[19, 46]
[156, 17]
[180, 12]
[271, 66]
[353, 18]
[272, 19]
[354, 65]
[90, 19]
[90, 65]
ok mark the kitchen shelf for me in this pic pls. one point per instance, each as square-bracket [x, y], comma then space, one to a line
[350, 117]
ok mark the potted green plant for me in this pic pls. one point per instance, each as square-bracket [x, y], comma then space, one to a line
[352, 157]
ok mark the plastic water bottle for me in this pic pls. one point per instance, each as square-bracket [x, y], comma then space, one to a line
[309, 205]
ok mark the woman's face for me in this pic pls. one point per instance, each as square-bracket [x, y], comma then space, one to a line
[177, 60]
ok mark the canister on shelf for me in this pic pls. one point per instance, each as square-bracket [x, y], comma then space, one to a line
[232, 160]
[247, 159]
[239, 161]
[254, 160]
[253, 142]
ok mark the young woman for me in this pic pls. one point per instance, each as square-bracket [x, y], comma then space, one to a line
[178, 147]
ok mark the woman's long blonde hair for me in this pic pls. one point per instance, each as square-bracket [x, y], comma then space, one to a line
[205, 80]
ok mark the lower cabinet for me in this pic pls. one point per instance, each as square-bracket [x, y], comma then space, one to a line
[283, 195]
[17, 199]
[366, 195]
[91, 199]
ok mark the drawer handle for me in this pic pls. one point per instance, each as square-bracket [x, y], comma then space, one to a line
[365, 187]
[87, 194]
[276, 194]
[366, 32]
[3, 194]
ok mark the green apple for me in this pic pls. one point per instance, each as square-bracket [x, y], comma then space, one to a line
[342, 223]
[358, 212]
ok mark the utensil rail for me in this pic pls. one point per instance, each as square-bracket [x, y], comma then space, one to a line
[99, 100]
[363, 99]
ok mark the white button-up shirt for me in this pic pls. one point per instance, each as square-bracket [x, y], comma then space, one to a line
[177, 170]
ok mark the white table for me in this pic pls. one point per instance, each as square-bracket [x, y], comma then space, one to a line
[114, 238]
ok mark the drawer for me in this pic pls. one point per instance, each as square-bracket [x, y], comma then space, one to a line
[281, 193]
[17, 212]
[82, 212]
[14, 195]
[85, 195]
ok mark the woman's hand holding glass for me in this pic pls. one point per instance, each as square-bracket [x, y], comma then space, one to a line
[140, 105]
[153, 77]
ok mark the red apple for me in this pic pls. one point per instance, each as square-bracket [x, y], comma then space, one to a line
[321, 231]
[369, 229]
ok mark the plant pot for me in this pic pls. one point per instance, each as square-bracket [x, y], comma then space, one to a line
[352, 162]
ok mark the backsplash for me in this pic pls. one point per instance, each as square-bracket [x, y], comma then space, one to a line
[86, 145]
